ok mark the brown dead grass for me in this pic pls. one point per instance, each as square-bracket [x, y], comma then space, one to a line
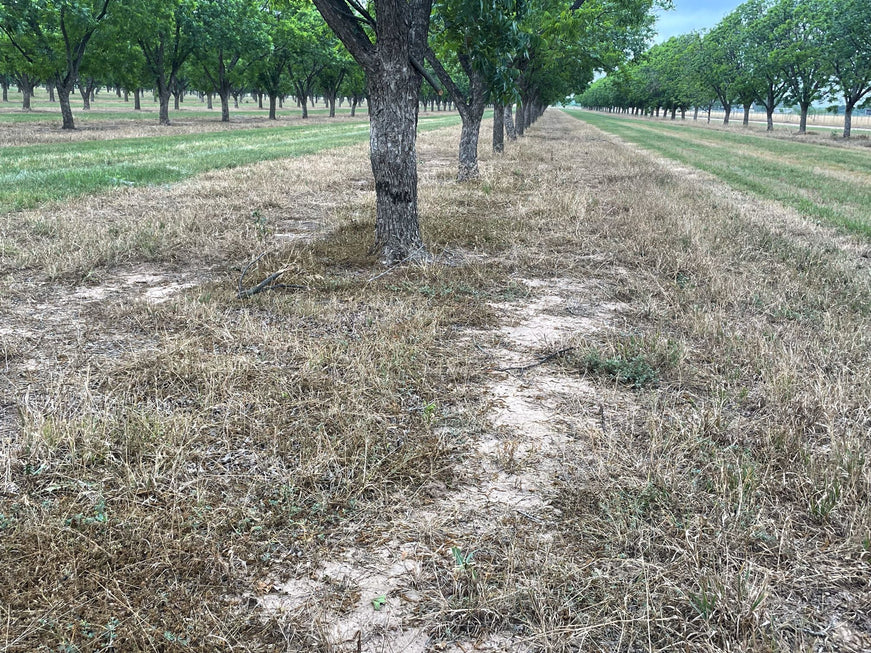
[35, 132]
[169, 466]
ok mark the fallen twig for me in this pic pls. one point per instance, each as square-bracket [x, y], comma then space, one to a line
[540, 361]
[266, 284]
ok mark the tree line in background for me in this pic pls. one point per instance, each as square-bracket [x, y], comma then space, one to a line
[769, 53]
[528, 53]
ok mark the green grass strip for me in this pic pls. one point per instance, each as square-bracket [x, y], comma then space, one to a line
[794, 174]
[35, 174]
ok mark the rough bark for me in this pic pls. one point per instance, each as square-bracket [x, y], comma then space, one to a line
[85, 89]
[471, 108]
[802, 122]
[769, 119]
[137, 100]
[224, 94]
[498, 128]
[273, 101]
[747, 114]
[393, 86]
[393, 153]
[848, 119]
[510, 131]
[163, 96]
[728, 112]
[66, 111]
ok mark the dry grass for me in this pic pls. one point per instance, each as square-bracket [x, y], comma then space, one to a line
[172, 463]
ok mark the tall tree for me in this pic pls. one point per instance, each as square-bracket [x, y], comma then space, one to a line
[229, 36]
[162, 30]
[720, 51]
[805, 65]
[310, 52]
[848, 49]
[53, 37]
[390, 47]
[475, 37]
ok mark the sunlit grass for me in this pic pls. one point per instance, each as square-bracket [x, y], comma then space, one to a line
[35, 174]
[829, 184]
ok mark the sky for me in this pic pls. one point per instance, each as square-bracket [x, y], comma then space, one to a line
[689, 15]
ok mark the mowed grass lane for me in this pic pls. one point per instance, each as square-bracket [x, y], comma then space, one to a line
[34, 174]
[822, 182]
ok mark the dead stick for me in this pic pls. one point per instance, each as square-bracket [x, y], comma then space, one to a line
[541, 361]
[245, 271]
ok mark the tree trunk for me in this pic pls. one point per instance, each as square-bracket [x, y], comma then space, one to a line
[224, 93]
[235, 100]
[498, 128]
[209, 101]
[304, 106]
[5, 86]
[51, 95]
[802, 123]
[696, 113]
[769, 118]
[137, 100]
[27, 93]
[176, 101]
[163, 111]
[510, 131]
[332, 100]
[728, 111]
[848, 119]
[393, 91]
[273, 100]
[468, 166]
[709, 114]
[519, 123]
[353, 106]
[85, 92]
[747, 114]
[674, 113]
[260, 100]
[66, 111]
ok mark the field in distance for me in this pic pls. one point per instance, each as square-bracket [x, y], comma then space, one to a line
[116, 146]
[826, 180]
